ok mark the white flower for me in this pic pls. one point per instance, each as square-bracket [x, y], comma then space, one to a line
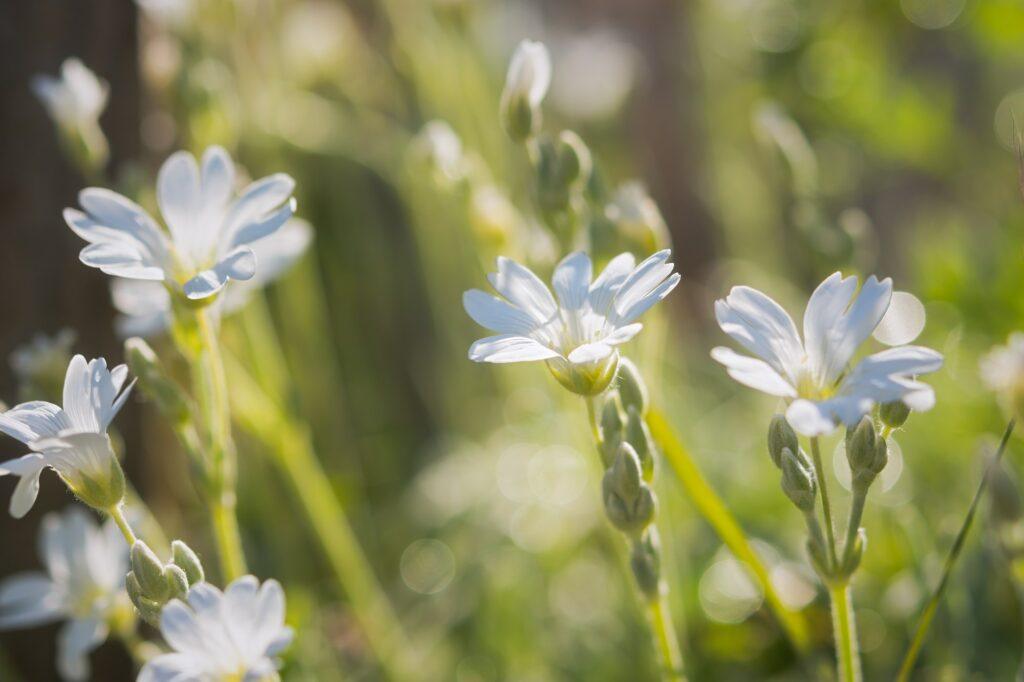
[72, 440]
[577, 335]
[145, 306]
[85, 568]
[210, 235]
[76, 99]
[813, 374]
[529, 73]
[216, 636]
[440, 147]
[1002, 370]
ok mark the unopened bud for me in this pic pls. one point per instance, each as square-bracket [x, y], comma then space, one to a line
[639, 436]
[177, 582]
[780, 437]
[894, 414]
[631, 387]
[629, 503]
[147, 608]
[183, 556]
[529, 74]
[611, 429]
[645, 560]
[153, 380]
[866, 452]
[798, 480]
[149, 571]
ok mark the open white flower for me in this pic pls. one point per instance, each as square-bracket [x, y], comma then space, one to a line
[577, 335]
[145, 306]
[210, 233]
[72, 440]
[76, 98]
[234, 635]
[83, 584]
[813, 374]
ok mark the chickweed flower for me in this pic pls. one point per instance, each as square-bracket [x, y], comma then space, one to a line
[145, 307]
[576, 335]
[529, 75]
[75, 100]
[813, 374]
[71, 440]
[1002, 370]
[217, 636]
[85, 567]
[210, 234]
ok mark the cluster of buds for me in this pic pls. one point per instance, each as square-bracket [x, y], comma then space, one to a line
[152, 583]
[867, 452]
[563, 166]
[627, 451]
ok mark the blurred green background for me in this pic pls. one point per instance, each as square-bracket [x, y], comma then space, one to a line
[781, 139]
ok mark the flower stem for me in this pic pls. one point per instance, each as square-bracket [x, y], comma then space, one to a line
[668, 642]
[222, 458]
[845, 632]
[595, 430]
[860, 495]
[826, 506]
[117, 513]
[713, 509]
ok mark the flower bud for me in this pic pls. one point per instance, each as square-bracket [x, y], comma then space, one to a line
[611, 429]
[780, 437]
[149, 572]
[170, 399]
[798, 480]
[529, 75]
[645, 560]
[148, 609]
[639, 436]
[866, 453]
[177, 582]
[183, 556]
[561, 165]
[629, 503]
[631, 387]
[894, 414]
[92, 472]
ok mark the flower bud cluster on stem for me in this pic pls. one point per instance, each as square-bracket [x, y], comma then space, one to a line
[151, 583]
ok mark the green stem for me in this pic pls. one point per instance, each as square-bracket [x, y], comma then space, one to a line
[668, 642]
[222, 458]
[860, 495]
[595, 430]
[117, 513]
[713, 509]
[826, 506]
[845, 632]
[954, 553]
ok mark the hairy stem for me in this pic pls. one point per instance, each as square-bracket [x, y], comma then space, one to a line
[826, 506]
[845, 632]
[668, 642]
[117, 513]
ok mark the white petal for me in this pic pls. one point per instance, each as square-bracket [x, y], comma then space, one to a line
[177, 193]
[276, 252]
[76, 639]
[524, 289]
[509, 348]
[622, 334]
[171, 668]
[78, 395]
[25, 493]
[590, 352]
[240, 264]
[216, 185]
[110, 217]
[602, 291]
[529, 72]
[260, 229]
[571, 280]
[762, 327]
[810, 418]
[888, 375]
[27, 600]
[179, 628]
[903, 321]
[497, 315]
[255, 204]
[33, 420]
[752, 372]
[834, 327]
[642, 304]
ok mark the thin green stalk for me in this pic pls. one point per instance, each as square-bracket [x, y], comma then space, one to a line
[595, 430]
[860, 496]
[713, 509]
[826, 506]
[222, 458]
[954, 553]
[845, 629]
[293, 453]
[117, 513]
[668, 642]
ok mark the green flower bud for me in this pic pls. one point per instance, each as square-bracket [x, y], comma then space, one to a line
[169, 397]
[629, 503]
[177, 582]
[611, 429]
[798, 480]
[102, 487]
[894, 414]
[149, 572]
[631, 387]
[645, 560]
[780, 437]
[529, 74]
[573, 162]
[866, 452]
[520, 118]
[148, 609]
[183, 556]
[639, 436]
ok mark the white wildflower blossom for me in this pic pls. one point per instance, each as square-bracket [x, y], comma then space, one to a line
[76, 98]
[529, 75]
[72, 440]
[215, 636]
[814, 374]
[83, 585]
[210, 233]
[577, 335]
[145, 306]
